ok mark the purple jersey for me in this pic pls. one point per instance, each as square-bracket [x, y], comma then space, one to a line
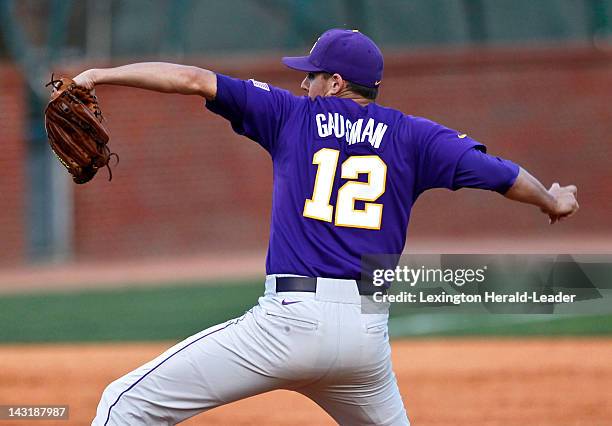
[345, 176]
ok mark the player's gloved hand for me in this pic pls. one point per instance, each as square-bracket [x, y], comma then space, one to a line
[75, 129]
[565, 204]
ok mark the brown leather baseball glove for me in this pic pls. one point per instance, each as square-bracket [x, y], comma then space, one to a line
[73, 121]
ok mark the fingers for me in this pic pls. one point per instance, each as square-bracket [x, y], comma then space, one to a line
[572, 189]
[559, 218]
[552, 219]
[569, 188]
[567, 205]
[574, 210]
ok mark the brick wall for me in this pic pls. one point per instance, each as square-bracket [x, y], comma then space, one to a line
[12, 166]
[186, 183]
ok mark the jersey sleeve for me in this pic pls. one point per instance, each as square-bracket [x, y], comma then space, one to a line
[439, 150]
[479, 170]
[254, 109]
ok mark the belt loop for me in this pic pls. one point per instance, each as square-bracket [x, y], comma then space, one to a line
[270, 285]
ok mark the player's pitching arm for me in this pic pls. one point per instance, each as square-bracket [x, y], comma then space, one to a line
[157, 76]
[559, 202]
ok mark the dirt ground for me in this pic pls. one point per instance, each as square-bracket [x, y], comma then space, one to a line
[443, 382]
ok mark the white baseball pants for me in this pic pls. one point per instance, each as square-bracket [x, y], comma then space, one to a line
[322, 346]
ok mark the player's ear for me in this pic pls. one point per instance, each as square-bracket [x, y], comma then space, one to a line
[337, 84]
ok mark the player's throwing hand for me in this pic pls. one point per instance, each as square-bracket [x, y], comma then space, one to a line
[565, 204]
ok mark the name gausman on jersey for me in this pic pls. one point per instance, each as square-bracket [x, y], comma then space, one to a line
[353, 133]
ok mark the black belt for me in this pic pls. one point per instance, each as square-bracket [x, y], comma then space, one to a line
[309, 285]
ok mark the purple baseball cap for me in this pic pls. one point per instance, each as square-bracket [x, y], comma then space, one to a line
[347, 52]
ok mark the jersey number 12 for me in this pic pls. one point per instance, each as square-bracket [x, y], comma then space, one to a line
[318, 206]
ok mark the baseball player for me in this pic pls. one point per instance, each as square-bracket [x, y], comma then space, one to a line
[346, 174]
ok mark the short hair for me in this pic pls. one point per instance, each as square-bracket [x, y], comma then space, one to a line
[367, 92]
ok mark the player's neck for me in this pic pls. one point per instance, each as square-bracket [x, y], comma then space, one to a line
[354, 97]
